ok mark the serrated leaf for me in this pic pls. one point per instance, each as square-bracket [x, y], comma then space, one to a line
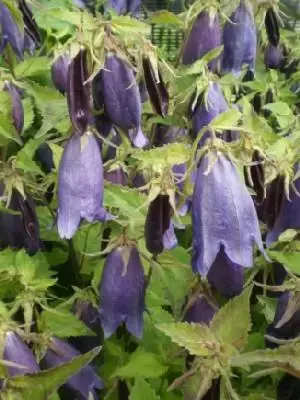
[8, 131]
[226, 121]
[24, 158]
[232, 322]
[28, 113]
[196, 338]
[127, 25]
[291, 260]
[158, 158]
[57, 152]
[165, 17]
[39, 386]
[285, 357]
[63, 324]
[142, 391]
[278, 108]
[141, 364]
[32, 66]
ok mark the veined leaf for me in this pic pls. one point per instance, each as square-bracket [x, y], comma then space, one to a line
[198, 339]
[232, 322]
[32, 66]
[142, 391]
[291, 260]
[226, 121]
[39, 386]
[24, 157]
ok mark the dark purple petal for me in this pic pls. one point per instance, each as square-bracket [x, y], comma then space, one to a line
[122, 98]
[290, 329]
[133, 6]
[273, 56]
[122, 292]
[206, 112]
[116, 176]
[289, 215]
[201, 311]
[16, 351]
[239, 39]
[59, 72]
[223, 213]
[204, 36]
[17, 107]
[29, 44]
[10, 32]
[80, 184]
[119, 6]
[226, 277]
[83, 382]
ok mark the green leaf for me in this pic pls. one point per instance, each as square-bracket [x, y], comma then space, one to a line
[28, 113]
[165, 17]
[63, 324]
[226, 121]
[24, 157]
[39, 386]
[291, 260]
[232, 322]
[56, 153]
[278, 108]
[8, 131]
[285, 357]
[141, 364]
[142, 391]
[196, 338]
[32, 66]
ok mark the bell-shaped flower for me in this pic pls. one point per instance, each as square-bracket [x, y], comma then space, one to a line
[116, 176]
[17, 106]
[122, 291]
[10, 33]
[239, 39]
[59, 72]
[223, 215]
[17, 352]
[84, 382]
[204, 36]
[201, 310]
[209, 106]
[80, 184]
[288, 217]
[273, 56]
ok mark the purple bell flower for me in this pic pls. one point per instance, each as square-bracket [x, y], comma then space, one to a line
[83, 382]
[239, 39]
[122, 291]
[116, 176]
[80, 185]
[205, 113]
[289, 215]
[225, 276]
[287, 330]
[59, 72]
[201, 311]
[204, 36]
[10, 33]
[17, 107]
[223, 215]
[16, 351]
[273, 56]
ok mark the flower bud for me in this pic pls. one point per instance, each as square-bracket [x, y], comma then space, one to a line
[122, 291]
[10, 33]
[17, 107]
[59, 73]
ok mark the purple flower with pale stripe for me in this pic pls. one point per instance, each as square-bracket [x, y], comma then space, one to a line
[223, 216]
[122, 291]
[80, 185]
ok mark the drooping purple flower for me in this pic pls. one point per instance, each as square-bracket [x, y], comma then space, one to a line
[83, 382]
[201, 310]
[19, 230]
[122, 98]
[204, 36]
[239, 39]
[116, 176]
[122, 291]
[159, 230]
[32, 36]
[289, 215]
[59, 72]
[17, 107]
[80, 184]
[223, 214]
[16, 351]
[225, 276]
[133, 7]
[10, 33]
[206, 111]
[119, 6]
[29, 44]
[289, 329]
[273, 56]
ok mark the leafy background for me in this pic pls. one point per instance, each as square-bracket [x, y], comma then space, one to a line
[43, 287]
